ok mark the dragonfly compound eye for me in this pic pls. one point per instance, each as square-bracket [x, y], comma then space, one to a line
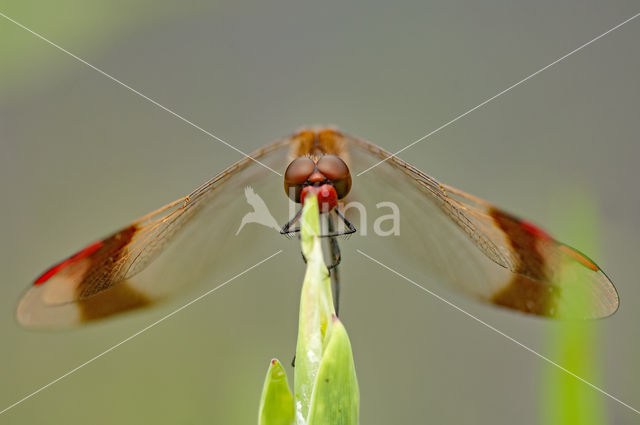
[337, 172]
[297, 173]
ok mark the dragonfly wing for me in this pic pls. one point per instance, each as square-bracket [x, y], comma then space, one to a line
[477, 247]
[149, 259]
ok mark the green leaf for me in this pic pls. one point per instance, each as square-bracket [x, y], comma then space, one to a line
[326, 389]
[336, 397]
[310, 230]
[316, 309]
[325, 385]
[276, 404]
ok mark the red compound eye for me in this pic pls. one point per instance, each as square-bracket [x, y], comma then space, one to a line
[327, 196]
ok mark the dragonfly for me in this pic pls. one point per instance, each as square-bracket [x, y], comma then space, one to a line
[466, 242]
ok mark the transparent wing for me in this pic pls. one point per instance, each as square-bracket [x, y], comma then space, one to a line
[475, 246]
[209, 230]
[462, 240]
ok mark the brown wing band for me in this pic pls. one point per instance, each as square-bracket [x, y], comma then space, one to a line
[120, 298]
[522, 293]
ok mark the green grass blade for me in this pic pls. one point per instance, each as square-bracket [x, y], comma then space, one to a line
[573, 344]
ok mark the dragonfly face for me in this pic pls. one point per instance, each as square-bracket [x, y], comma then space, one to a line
[319, 168]
[328, 177]
[322, 172]
[463, 241]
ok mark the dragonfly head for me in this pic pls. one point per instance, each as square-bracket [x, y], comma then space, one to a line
[328, 177]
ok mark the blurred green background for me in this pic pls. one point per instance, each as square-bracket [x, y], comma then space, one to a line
[80, 156]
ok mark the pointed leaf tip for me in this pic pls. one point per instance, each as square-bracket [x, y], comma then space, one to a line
[276, 404]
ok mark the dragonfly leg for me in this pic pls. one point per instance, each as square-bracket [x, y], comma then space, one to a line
[286, 229]
[333, 233]
[351, 228]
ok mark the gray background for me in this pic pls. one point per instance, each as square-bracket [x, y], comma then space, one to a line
[82, 156]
